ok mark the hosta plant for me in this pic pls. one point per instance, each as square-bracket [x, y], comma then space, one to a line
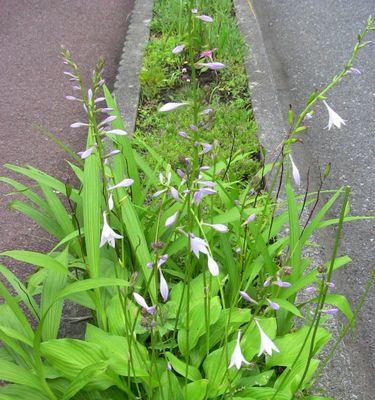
[192, 278]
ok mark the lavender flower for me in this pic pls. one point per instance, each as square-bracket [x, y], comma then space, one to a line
[174, 193]
[246, 297]
[273, 305]
[249, 219]
[178, 49]
[282, 284]
[213, 65]
[71, 98]
[162, 260]
[205, 18]
[163, 286]
[142, 302]
[198, 245]
[267, 282]
[330, 311]
[310, 290]
[171, 220]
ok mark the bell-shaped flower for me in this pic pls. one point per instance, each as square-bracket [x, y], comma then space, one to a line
[205, 18]
[249, 219]
[162, 260]
[110, 202]
[117, 132]
[212, 266]
[124, 183]
[334, 118]
[174, 193]
[266, 344]
[108, 234]
[246, 297]
[198, 245]
[218, 227]
[273, 305]
[172, 106]
[87, 153]
[163, 286]
[178, 49]
[213, 65]
[142, 302]
[237, 358]
[295, 172]
[171, 220]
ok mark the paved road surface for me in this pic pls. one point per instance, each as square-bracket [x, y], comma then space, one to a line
[33, 87]
[307, 42]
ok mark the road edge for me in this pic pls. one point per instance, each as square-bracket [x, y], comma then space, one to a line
[127, 85]
[272, 126]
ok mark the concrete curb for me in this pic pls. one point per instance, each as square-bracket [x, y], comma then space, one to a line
[127, 86]
[269, 100]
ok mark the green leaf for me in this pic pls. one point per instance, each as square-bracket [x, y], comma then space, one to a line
[180, 367]
[197, 390]
[84, 377]
[290, 345]
[38, 259]
[285, 304]
[51, 308]
[89, 284]
[91, 195]
[197, 324]
[13, 373]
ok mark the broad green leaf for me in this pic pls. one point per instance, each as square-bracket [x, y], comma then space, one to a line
[89, 284]
[38, 259]
[288, 306]
[50, 307]
[290, 345]
[11, 372]
[197, 390]
[197, 324]
[84, 377]
[179, 366]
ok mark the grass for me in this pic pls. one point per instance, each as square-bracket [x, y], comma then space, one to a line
[164, 77]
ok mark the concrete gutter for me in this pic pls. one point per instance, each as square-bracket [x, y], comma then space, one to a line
[127, 85]
[269, 98]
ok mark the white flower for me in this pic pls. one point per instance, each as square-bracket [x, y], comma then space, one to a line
[205, 18]
[334, 118]
[266, 344]
[171, 106]
[237, 358]
[198, 245]
[110, 202]
[87, 153]
[124, 183]
[171, 220]
[118, 132]
[218, 227]
[295, 172]
[108, 234]
[212, 266]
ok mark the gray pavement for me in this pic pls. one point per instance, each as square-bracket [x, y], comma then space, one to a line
[33, 88]
[306, 43]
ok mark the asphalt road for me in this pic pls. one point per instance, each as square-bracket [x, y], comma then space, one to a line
[307, 42]
[33, 89]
